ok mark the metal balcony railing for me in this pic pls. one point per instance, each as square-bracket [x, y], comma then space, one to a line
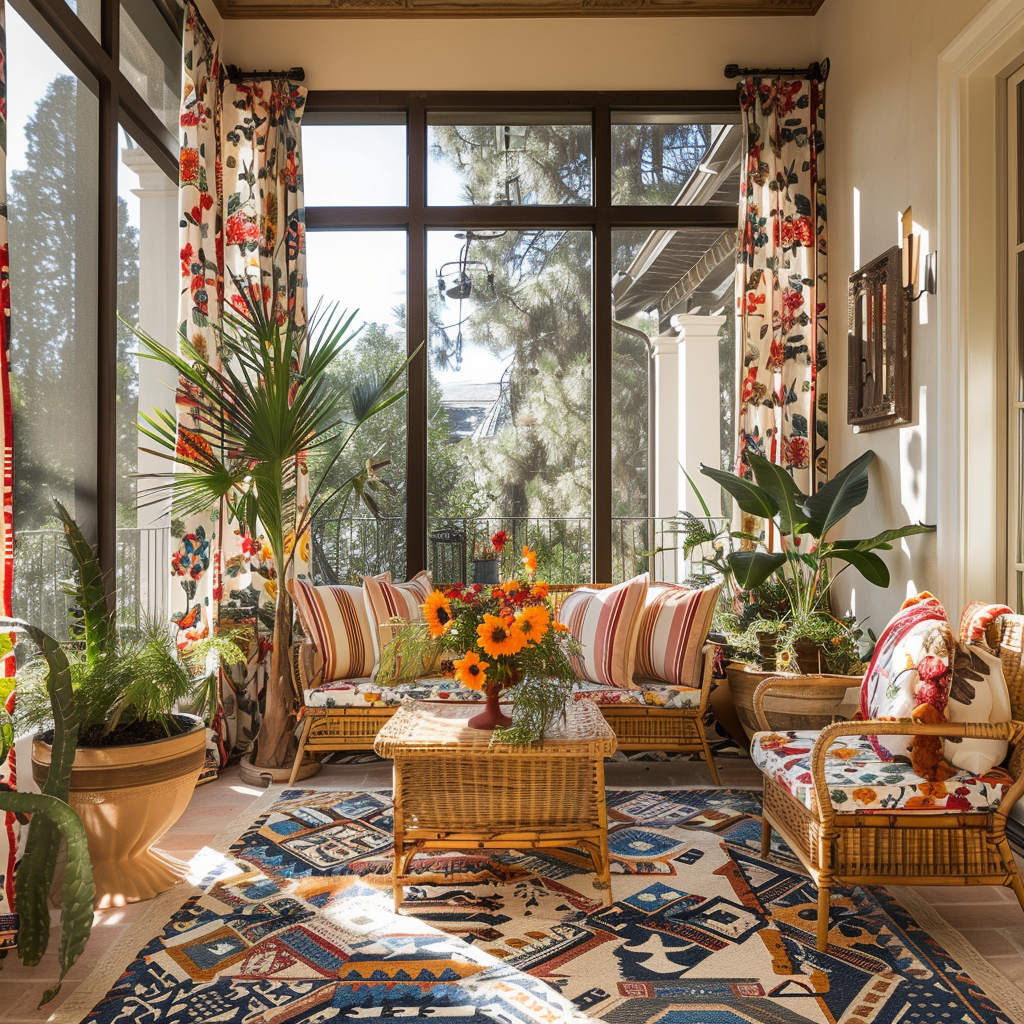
[346, 548]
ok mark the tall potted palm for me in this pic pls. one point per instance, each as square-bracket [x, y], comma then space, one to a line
[260, 415]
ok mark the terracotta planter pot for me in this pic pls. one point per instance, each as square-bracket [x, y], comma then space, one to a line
[813, 709]
[768, 644]
[128, 797]
[810, 657]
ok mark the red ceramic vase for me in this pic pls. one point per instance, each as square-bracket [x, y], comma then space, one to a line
[492, 716]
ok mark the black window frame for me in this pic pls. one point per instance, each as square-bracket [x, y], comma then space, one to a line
[602, 218]
[97, 64]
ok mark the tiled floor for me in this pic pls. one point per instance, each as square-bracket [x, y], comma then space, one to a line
[990, 918]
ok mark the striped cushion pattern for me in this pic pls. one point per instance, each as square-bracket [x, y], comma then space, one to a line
[386, 600]
[673, 628]
[606, 623]
[335, 620]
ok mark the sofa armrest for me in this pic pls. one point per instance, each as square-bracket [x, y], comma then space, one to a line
[1011, 732]
[790, 686]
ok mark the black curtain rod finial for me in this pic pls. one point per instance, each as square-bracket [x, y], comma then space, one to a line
[236, 74]
[817, 71]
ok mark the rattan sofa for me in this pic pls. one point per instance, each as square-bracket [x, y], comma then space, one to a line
[900, 846]
[674, 730]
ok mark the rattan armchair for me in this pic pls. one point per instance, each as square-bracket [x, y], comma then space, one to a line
[897, 847]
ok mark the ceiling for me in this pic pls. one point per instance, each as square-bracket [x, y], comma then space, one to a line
[508, 8]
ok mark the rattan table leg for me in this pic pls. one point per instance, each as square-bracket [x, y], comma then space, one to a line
[766, 837]
[307, 724]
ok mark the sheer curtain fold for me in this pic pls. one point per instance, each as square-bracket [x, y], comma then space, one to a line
[782, 279]
[242, 219]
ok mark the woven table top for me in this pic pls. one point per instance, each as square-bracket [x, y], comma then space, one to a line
[419, 727]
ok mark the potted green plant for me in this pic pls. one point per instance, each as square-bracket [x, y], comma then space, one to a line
[134, 755]
[268, 406]
[800, 569]
[804, 563]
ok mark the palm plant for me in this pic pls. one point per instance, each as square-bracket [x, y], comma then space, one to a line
[258, 417]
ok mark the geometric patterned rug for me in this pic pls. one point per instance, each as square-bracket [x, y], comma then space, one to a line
[295, 924]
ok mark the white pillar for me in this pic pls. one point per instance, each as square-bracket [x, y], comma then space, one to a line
[701, 414]
[688, 412]
[665, 494]
[159, 282]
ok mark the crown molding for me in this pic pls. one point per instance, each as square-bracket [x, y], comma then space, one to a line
[512, 8]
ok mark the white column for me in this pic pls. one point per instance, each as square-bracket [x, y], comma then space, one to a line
[665, 441]
[701, 413]
[159, 282]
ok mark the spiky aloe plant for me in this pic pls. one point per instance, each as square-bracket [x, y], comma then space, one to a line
[52, 820]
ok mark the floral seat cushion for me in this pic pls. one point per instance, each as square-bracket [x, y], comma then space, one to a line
[364, 693]
[859, 780]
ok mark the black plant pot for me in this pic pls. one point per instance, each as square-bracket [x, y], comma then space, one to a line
[486, 570]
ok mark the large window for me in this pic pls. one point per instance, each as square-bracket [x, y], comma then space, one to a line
[544, 242]
[89, 145]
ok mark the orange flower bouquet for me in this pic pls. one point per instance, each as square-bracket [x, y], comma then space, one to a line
[500, 637]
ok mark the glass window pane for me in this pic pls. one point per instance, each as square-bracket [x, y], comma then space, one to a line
[51, 179]
[683, 161]
[674, 380]
[364, 272]
[151, 59]
[148, 280]
[355, 164]
[531, 164]
[89, 13]
[509, 400]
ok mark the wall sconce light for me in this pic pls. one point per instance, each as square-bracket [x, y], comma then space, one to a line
[912, 261]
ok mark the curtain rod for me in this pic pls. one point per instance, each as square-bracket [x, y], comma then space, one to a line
[235, 73]
[815, 71]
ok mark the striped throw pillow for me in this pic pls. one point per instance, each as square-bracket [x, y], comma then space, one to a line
[673, 628]
[386, 600]
[335, 620]
[606, 623]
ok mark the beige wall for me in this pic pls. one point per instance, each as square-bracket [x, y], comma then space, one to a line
[516, 53]
[882, 139]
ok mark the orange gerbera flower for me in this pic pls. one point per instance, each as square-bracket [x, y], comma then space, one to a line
[540, 589]
[497, 637]
[560, 627]
[529, 560]
[533, 623]
[437, 610]
[470, 670]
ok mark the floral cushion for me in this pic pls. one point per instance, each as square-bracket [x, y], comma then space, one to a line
[909, 677]
[859, 780]
[364, 693]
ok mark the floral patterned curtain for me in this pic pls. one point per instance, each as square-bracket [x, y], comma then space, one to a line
[782, 278]
[243, 218]
[9, 828]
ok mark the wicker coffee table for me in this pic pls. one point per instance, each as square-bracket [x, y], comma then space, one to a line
[454, 790]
